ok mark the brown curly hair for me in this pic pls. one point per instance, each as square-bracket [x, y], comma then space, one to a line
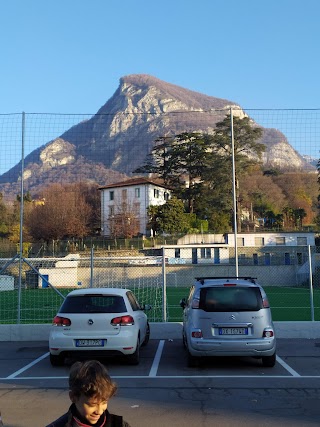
[91, 378]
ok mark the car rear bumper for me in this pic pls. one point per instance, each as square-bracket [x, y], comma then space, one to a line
[85, 354]
[218, 347]
[117, 344]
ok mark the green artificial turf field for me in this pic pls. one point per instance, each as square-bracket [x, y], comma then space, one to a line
[41, 305]
[286, 303]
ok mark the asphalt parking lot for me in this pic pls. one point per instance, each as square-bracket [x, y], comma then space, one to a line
[163, 391]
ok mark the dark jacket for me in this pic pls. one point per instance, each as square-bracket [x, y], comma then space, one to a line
[67, 421]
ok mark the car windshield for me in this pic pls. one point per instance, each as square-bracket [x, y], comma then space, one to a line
[93, 304]
[230, 299]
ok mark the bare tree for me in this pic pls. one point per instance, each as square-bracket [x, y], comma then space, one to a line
[61, 212]
[124, 221]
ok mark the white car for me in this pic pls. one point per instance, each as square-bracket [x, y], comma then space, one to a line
[99, 322]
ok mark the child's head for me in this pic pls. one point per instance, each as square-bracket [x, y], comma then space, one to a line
[90, 389]
[91, 378]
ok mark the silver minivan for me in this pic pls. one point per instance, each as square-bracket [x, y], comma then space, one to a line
[228, 317]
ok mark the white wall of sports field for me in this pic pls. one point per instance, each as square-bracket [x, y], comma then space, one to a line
[163, 331]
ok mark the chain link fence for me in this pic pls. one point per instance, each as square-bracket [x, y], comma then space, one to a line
[35, 276]
[32, 289]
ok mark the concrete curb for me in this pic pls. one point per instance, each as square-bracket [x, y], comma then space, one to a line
[170, 330]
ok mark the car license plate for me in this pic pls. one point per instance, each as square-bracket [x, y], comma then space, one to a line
[90, 343]
[233, 331]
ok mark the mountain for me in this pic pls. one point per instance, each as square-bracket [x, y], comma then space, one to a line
[311, 160]
[115, 141]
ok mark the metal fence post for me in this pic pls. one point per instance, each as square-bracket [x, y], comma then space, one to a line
[311, 283]
[164, 286]
[91, 268]
[21, 218]
[234, 192]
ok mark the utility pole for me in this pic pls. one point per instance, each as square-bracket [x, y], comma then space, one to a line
[234, 191]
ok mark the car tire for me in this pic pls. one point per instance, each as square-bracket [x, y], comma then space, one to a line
[56, 360]
[134, 358]
[184, 340]
[269, 361]
[147, 337]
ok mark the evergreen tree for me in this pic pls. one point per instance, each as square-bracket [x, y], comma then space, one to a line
[169, 218]
[198, 167]
[181, 162]
[247, 153]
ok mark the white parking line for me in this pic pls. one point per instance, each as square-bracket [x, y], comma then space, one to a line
[287, 367]
[12, 376]
[156, 360]
[154, 370]
[173, 377]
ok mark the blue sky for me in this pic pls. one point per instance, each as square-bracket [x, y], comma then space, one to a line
[66, 56]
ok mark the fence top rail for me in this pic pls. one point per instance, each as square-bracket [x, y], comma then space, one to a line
[88, 258]
[197, 245]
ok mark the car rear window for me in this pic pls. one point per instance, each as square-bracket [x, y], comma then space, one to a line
[230, 299]
[93, 304]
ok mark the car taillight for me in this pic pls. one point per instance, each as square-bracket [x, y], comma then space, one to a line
[197, 333]
[122, 321]
[61, 321]
[265, 303]
[229, 284]
[268, 333]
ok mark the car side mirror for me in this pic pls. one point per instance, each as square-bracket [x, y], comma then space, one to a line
[183, 303]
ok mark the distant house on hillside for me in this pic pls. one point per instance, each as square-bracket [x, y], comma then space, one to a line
[295, 238]
[278, 248]
[125, 200]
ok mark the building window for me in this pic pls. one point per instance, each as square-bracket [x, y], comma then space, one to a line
[166, 196]
[137, 193]
[177, 253]
[111, 195]
[301, 241]
[156, 193]
[242, 258]
[205, 252]
[111, 210]
[240, 241]
[280, 240]
[259, 241]
[255, 259]
[299, 258]
[194, 256]
[287, 258]
[267, 259]
[136, 208]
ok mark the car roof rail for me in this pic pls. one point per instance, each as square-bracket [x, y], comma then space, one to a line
[202, 279]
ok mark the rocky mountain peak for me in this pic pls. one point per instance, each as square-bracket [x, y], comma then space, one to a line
[117, 138]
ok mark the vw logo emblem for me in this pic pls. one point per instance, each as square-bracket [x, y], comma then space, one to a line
[232, 317]
[90, 322]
